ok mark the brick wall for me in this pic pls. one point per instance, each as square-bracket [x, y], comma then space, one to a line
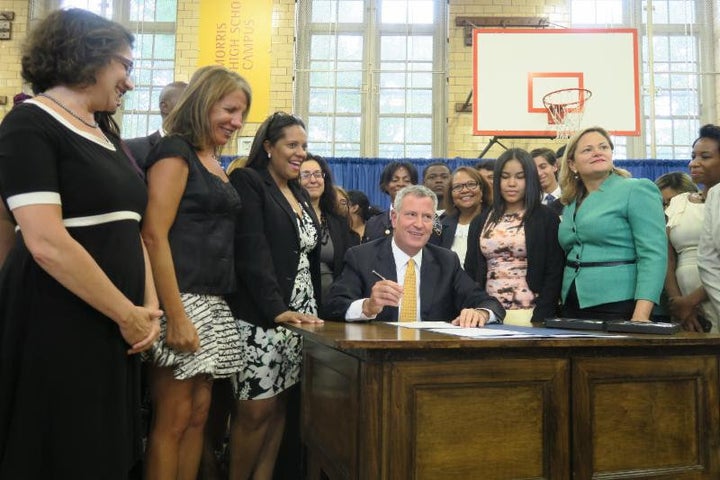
[10, 80]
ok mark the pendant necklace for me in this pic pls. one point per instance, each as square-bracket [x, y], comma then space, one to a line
[74, 115]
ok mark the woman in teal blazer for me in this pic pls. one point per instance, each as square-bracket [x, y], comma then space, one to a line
[612, 232]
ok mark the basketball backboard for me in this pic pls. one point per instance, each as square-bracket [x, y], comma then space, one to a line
[513, 69]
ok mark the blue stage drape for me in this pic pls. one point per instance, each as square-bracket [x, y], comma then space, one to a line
[364, 173]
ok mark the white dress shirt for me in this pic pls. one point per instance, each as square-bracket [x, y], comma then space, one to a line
[555, 193]
[354, 311]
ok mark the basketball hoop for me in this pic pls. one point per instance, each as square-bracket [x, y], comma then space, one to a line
[565, 109]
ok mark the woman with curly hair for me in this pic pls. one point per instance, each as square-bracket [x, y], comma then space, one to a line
[77, 300]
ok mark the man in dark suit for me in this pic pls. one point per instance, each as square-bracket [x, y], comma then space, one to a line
[371, 284]
[141, 146]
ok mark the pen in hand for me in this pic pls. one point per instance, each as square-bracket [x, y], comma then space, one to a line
[378, 275]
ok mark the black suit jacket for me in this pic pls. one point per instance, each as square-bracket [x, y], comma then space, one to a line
[342, 238]
[445, 288]
[448, 227]
[267, 248]
[545, 259]
[378, 226]
[141, 146]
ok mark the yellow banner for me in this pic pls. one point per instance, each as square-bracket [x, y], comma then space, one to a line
[236, 34]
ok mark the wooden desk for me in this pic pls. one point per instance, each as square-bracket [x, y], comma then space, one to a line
[441, 407]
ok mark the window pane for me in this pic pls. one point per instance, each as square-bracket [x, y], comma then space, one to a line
[419, 130]
[392, 130]
[347, 129]
[599, 12]
[420, 48]
[393, 47]
[350, 78]
[420, 102]
[417, 12]
[392, 101]
[333, 11]
[418, 151]
[348, 101]
[350, 47]
[100, 7]
[321, 100]
[351, 12]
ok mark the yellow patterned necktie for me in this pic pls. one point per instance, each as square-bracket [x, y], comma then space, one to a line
[408, 307]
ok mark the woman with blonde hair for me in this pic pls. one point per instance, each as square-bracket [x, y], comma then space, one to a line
[189, 231]
[612, 232]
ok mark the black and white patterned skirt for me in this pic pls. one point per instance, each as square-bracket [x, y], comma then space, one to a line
[272, 359]
[220, 353]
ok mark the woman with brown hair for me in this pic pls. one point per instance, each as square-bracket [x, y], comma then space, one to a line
[77, 300]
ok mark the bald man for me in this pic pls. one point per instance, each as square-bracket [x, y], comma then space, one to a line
[140, 146]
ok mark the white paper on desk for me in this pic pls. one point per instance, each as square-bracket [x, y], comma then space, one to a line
[424, 325]
[475, 332]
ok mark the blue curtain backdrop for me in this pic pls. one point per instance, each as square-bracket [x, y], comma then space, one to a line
[364, 173]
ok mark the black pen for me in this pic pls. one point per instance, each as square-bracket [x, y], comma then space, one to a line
[378, 275]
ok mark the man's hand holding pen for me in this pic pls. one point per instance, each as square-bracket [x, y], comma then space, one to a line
[384, 293]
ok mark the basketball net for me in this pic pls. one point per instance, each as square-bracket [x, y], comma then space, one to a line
[565, 110]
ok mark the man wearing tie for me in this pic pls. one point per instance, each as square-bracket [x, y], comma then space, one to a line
[402, 278]
[546, 163]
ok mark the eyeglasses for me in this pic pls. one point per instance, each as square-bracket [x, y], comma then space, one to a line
[125, 62]
[471, 186]
[317, 175]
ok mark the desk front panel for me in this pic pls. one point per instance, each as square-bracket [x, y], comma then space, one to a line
[646, 417]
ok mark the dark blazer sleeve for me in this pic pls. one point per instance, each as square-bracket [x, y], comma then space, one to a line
[475, 262]
[546, 261]
[445, 288]
[342, 239]
[449, 225]
[356, 279]
[266, 250]
[378, 226]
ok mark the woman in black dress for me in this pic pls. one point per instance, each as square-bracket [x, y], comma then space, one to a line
[76, 295]
[277, 264]
[189, 230]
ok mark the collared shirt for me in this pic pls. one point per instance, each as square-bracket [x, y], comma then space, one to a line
[555, 193]
[354, 312]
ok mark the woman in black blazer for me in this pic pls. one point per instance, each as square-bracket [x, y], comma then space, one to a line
[516, 242]
[335, 234]
[277, 264]
[466, 196]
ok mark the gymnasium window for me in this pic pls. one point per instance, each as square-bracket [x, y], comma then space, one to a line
[672, 87]
[153, 24]
[371, 80]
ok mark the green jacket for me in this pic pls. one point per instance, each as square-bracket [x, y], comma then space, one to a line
[622, 221]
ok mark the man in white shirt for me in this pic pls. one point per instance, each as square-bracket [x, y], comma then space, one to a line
[373, 282]
[547, 167]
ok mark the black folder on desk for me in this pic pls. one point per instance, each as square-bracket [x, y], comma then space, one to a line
[615, 326]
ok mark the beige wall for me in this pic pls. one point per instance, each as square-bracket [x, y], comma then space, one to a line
[10, 80]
